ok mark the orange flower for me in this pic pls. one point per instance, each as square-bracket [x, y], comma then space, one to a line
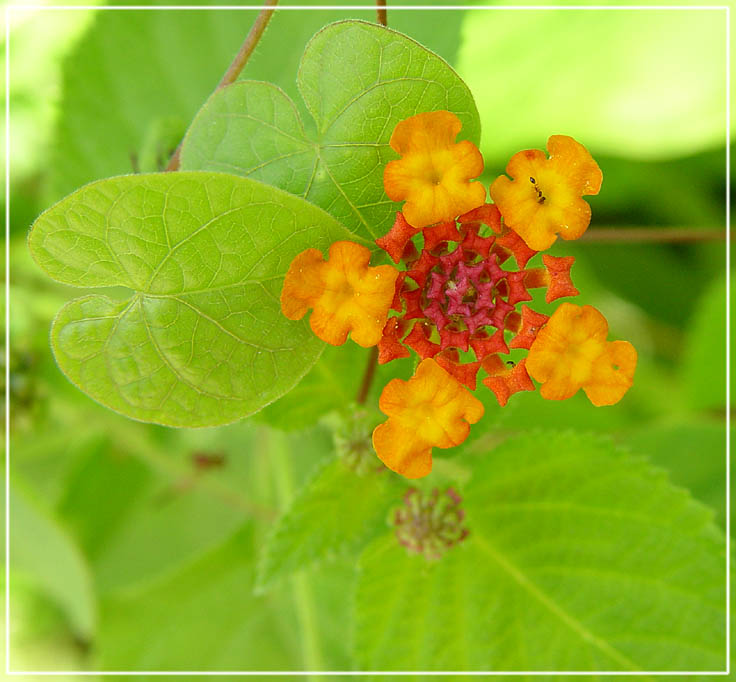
[571, 352]
[434, 172]
[544, 198]
[346, 294]
[430, 410]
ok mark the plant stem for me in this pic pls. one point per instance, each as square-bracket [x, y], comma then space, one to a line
[368, 374]
[630, 235]
[246, 50]
[233, 71]
[381, 12]
[303, 598]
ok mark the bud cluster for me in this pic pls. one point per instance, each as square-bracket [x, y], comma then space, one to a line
[430, 523]
[353, 444]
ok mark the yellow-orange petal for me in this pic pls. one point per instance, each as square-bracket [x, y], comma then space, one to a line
[345, 293]
[410, 457]
[432, 409]
[544, 198]
[571, 352]
[426, 131]
[434, 174]
[572, 159]
[303, 284]
[613, 374]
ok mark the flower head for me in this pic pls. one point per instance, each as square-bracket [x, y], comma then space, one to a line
[429, 410]
[456, 301]
[571, 352]
[434, 172]
[545, 196]
[346, 294]
[458, 295]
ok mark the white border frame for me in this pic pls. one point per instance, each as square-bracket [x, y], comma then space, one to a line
[11, 7]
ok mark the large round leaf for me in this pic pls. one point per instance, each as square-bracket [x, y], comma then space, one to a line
[202, 340]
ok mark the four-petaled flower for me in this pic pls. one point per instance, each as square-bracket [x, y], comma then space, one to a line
[345, 293]
[434, 172]
[544, 198]
[455, 302]
[571, 352]
[430, 410]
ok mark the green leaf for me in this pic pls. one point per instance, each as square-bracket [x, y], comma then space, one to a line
[579, 557]
[335, 513]
[136, 525]
[358, 80]
[119, 82]
[331, 384]
[41, 549]
[693, 451]
[128, 72]
[704, 363]
[202, 617]
[103, 489]
[202, 340]
[613, 80]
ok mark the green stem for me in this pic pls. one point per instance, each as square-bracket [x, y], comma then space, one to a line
[668, 235]
[303, 598]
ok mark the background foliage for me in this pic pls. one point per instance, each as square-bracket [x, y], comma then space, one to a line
[251, 546]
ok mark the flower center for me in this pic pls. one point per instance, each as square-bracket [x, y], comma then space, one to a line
[460, 291]
[538, 194]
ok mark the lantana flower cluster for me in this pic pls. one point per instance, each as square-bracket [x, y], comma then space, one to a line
[454, 298]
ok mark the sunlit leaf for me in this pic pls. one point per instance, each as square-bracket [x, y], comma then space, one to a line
[202, 340]
[646, 84]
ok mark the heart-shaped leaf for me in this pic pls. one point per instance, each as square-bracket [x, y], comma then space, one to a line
[202, 340]
[358, 80]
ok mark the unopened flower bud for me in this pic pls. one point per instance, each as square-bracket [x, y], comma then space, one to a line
[352, 438]
[429, 523]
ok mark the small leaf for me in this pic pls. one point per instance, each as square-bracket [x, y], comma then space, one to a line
[579, 558]
[202, 341]
[358, 81]
[336, 512]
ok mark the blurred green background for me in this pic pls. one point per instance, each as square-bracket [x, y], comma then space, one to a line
[129, 552]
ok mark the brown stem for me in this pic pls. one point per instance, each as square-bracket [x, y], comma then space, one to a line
[233, 71]
[381, 12]
[630, 235]
[368, 374]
